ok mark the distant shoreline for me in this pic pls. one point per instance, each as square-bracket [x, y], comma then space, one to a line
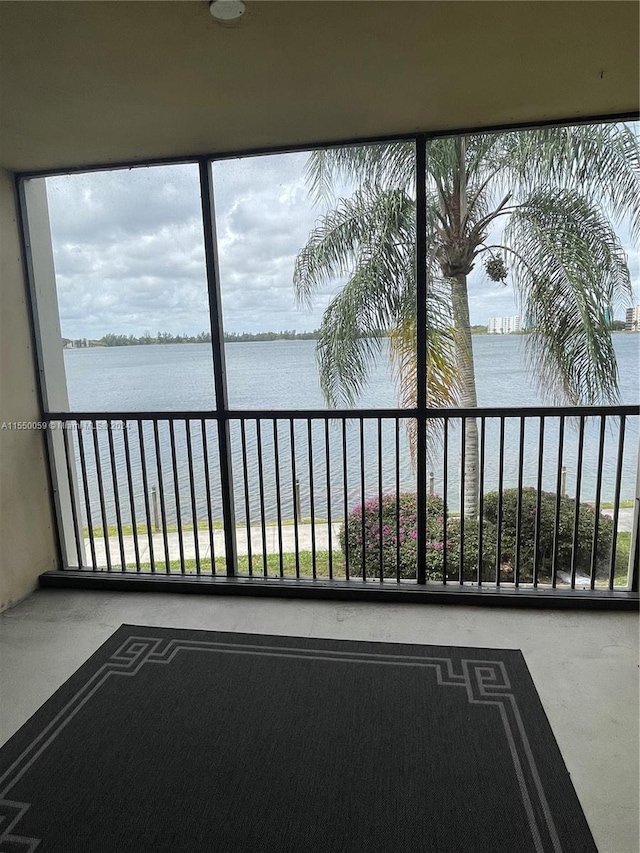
[109, 341]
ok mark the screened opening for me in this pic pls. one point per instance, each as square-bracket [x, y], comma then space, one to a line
[391, 362]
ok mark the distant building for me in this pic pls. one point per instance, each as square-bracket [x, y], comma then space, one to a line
[503, 325]
[632, 320]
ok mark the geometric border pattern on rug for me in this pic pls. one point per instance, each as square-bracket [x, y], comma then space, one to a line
[485, 682]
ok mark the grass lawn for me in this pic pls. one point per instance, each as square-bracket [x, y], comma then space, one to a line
[623, 550]
[141, 528]
[305, 562]
[623, 505]
[273, 565]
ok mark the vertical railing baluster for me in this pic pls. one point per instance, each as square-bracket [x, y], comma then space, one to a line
[380, 526]
[70, 458]
[633, 564]
[294, 489]
[312, 507]
[345, 487]
[263, 519]
[616, 500]
[362, 498]
[422, 327]
[397, 457]
[536, 541]
[245, 482]
[596, 520]
[163, 511]
[207, 485]
[116, 494]
[516, 571]
[559, 496]
[176, 492]
[445, 498]
[500, 498]
[145, 487]
[481, 502]
[87, 498]
[103, 509]
[276, 462]
[327, 462]
[132, 501]
[192, 493]
[421, 495]
[576, 516]
[463, 451]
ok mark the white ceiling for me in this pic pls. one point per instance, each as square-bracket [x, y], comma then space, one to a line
[96, 82]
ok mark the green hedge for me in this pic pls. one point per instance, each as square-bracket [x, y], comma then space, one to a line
[386, 526]
[566, 521]
[401, 520]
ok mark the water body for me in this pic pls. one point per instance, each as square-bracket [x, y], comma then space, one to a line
[267, 376]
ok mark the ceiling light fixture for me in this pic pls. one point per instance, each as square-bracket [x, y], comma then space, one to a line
[226, 10]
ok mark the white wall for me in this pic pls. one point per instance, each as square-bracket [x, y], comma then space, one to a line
[27, 538]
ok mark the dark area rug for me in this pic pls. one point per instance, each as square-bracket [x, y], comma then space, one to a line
[171, 740]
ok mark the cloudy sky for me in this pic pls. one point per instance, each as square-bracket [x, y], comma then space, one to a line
[129, 255]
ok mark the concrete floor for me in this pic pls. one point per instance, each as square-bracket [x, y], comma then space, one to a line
[584, 664]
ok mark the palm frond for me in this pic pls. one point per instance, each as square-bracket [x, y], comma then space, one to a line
[385, 164]
[557, 187]
[443, 381]
[371, 218]
[351, 332]
[600, 161]
[575, 273]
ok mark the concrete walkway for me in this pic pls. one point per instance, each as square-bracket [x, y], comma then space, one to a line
[625, 524]
[625, 518]
[204, 543]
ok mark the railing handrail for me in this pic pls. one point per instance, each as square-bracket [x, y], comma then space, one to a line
[341, 414]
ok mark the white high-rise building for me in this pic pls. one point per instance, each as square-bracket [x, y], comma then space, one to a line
[503, 325]
[632, 320]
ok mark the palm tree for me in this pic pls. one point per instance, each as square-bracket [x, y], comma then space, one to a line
[553, 196]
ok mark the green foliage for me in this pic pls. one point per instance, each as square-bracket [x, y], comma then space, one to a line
[286, 335]
[394, 529]
[566, 521]
[554, 194]
[113, 340]
[385, 527]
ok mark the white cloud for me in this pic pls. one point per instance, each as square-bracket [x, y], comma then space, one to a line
[129, 250]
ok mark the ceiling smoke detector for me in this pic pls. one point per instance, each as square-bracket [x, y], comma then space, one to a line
[226, 10]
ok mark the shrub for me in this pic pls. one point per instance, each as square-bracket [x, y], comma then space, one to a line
[399, 517]
[586, 521]
[470, 555]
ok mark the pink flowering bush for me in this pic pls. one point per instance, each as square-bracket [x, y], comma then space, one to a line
[390, 537]
[392, 534]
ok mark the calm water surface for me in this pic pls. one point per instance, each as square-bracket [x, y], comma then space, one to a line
[283, 375]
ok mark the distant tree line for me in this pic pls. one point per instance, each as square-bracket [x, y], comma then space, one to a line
[113, 340]
[287, 335]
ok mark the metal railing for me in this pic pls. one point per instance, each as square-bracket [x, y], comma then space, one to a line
[335, 494]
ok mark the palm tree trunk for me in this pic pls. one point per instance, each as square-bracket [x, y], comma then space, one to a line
[468, 396]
